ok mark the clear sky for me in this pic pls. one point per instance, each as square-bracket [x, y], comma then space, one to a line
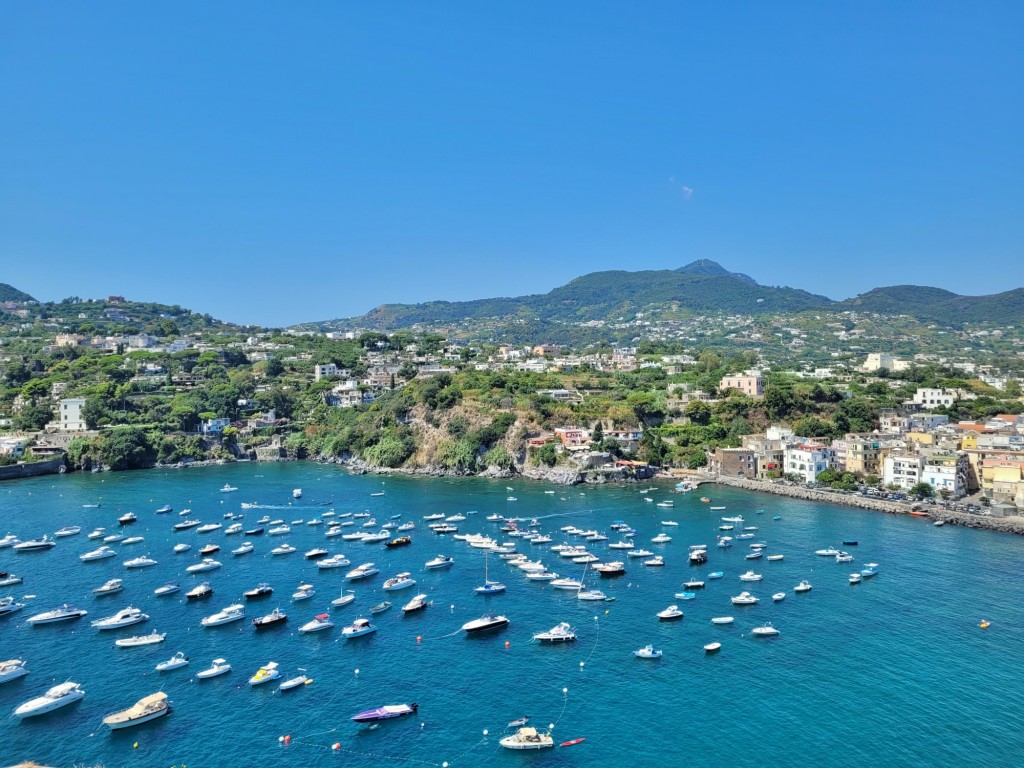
[275, 162]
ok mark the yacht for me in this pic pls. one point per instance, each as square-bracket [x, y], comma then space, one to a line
[199, 591]
[209, 527]
[803, 586]
[12, 670]
[319, 622]
[766, 631]
[418, 603]
[113, 537]
[68, 530]
[145, 709]
[315, 553]
[744, 598]
[217, 667]
[303, 592]
[284, 549]
[485, 623]
[179, 548]
[362, 572]
[184, 525]
[276, 616]
[140, 562]
[280, 530]
[527, 738]
[233, 529]
[343, 599]
[97, 554]
[570, 584]
[661, 538]
[441, 561]
[260, 590]
[613, 568]
[244, 549]
[207, 564]
[99, 533]
[55, 698]
[35, 545]
[357, 628]
[65, 612]
[128, 518]
[151, 639]
[109, 588]
[265, 674]
[224, 616]
[132, 540]
[671, 613]
[10, 540]
[166, 508]
[750, 576]
[336, 561]
[593, 595]
[560, 633]
[655, 561]
[639, 553]
[830, 552]
[167, 589]
[123, 618]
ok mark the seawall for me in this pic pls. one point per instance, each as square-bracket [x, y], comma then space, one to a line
[33, 469]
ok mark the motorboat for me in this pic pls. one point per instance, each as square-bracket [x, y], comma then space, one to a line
[373, 538]
[12, 669]
[362, 572]
[199, 591]
[113, 537]
[698, 556]
[436, 516]
[456, 518]
[712, 647]
[315, 553]
[97, 554]
[228, 488]
[661, 538]
[318, 623]
[145, 709]
[243, 549]
[128, 518]
[224, 616]
[593, 595]
[275, 617]
[439, 562]
[176, 662]
[140, 562]
[647, 652]
[68, 530]
[613, 568]
[639, 553]
[165, 509]
[8, 605]
[855, 578]
[766, 631]
[850, 542]
[486, 623]
[656, 561]
[98, 533]
[527, 738]
[263, 520]
[35, 545]
[744, 598]
[109, 588]
[335, 561]
[182, 547]
[233, 529]
[409, 526]
[757, 555]
[169, 588]
[55, 698]
[295, 682]
[209, 528]
[217, 667]
[184, 525]
[257, 531]
[265, 674]
[65, 612]
[715, 575]
[355, 536]
[303, 592]
[443, 529]
[750, 576]
[206, 564]
[685, 595]
[401, 541]
[297, 493]
[670, 614]
[803, 586]
[279, 530]
[260, 590]
[152, 638]
[384, 605]
[844, 557]
[721, 620]
[775, 558]
[123, 618]
[343, 599]
[869, 570]
[387, 712]
[10, 540]
[694, 584]
[560, 633]
[417, 603]
[132, 540]
[778, 597]
[829, 552]
[283, 549]
[358, 628]
[565, 583]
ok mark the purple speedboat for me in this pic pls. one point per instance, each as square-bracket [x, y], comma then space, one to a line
[385, 713]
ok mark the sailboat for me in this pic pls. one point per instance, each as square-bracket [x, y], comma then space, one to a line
[589, 594]
[489, 587]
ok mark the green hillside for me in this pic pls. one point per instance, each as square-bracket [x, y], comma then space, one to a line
[10, 293]
[939, 306]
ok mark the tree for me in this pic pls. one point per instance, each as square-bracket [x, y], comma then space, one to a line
[597, 435]
[1012, 388]
[127, 448]
[274, 367]
[32, 418]
[407, 371]
[93, 412]
[922, 491]
[698, 412]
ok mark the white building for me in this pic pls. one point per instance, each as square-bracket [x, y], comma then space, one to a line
[929, 397]
[902, 469]
[322, 371]
[807, 459]
[877, 361]
[947, 473]
[71, 414]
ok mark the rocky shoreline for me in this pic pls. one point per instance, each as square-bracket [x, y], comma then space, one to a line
[1013, 525]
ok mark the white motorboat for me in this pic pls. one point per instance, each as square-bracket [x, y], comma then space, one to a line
[279, 530]
[209, 527]
[829, 552]
[12, 669]
[803, 586]
[362, 572]
[611, 568]
[284, 549]
[417, 603]
[206, 564]
[8, 605]
[670, 614]
[569, 584]
[228, 488]
[152, 638]
[128, 518]
[303, 592]
[169, 588]
[244, 549]
[132, 540]
[766, 631]
[541, 576]
[647, 652]
[778, 597]
[199, 591]
[10, 540]
[343, 599]
[109, 588]
[335, 561]
[265, 674]
[436, 516]
[744, 598]
[712, 647]
[55, 698]
[775, 558]
[233, 529]
[485, 623]
[123, 618]
[373, 538]
[184, 525]
[218, 667]
[661, 538]
[855, 578]
[721, 620]
[179, 548]
[224, 616]
[620, 545]
[869, 570]
[145, 709]
[295, 682]
[113, 538]
[315, 553]
[10, 580]
[751, 576]
[358, 628]
[318, 623]
[593, 595]
[68, 530]
[35, 545]
[441, 561]
[560, 633]
[639, 553]
[297, 493]
[98, 533]
[97, 554]
[356, 536]
[65, 612]
[527, 738]
[844, 557]
[655, 561]
[272, 619]
[456, 518]
[140, 562]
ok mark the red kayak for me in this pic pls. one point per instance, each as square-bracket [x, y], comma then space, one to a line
[570, 743]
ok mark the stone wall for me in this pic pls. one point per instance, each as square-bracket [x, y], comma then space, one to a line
[32, 469]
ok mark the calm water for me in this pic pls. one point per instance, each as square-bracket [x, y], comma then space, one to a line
[892, 672]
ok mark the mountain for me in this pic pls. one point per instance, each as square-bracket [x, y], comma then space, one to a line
[702, 287]
[10, 293]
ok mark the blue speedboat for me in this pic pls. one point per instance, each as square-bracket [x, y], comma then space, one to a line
[776, 517]
[685, 595]
[869, 570]
[850, 542]
[716, 575]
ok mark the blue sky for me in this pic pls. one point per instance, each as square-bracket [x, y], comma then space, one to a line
[282, 162]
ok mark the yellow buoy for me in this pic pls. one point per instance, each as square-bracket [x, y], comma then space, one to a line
[984, 624]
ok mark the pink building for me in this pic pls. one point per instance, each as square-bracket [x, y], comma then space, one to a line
[748, 382]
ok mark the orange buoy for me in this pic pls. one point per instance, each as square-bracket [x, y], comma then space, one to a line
[507, 644]
[419, 638]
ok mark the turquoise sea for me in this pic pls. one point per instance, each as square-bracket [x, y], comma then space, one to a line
[892, 672]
